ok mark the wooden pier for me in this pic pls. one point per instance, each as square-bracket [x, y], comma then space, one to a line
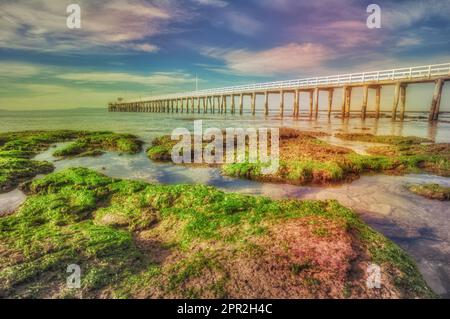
[216, 100]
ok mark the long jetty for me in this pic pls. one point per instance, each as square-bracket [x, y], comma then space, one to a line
[212, 100]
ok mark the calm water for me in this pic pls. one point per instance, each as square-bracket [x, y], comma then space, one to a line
[420, 226]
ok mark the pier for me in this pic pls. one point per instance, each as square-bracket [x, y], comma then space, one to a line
[215, 101]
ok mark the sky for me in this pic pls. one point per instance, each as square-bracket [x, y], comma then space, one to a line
[136, 48]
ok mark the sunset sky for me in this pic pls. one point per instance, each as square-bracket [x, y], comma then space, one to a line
[139, 48]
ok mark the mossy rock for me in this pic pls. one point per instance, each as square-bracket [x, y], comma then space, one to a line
[18, 148]
[133, 239]
[431, 191]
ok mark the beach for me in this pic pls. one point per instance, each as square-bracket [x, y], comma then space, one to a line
[419, 226]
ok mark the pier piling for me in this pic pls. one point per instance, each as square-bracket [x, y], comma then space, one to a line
[207, 99]
[435, 103]
[330, 101]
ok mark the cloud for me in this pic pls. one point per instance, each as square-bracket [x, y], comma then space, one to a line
[143, 47]
[344, 34]
[212, 3]
[292, 58]
[408, 13]
[42, 86]
[409, 41]
[242, 24]
[18, 70]
[41, 25]
[153, 79]
[294, 6]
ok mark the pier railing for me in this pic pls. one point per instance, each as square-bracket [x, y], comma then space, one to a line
[411, 73]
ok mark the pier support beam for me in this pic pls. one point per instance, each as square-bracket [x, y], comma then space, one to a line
[241, 104]
[219, 105]
[344, 100]
[316, 102]
[348, 101]
[396, 99]
[253, 103]
[233, 104]
[225, 104]
[296, 103]
[311, 101]
[330, 101]
[436, 102]
[364, 103]
[402, 101]
[266, 103]
[377, 101]
[281, 103]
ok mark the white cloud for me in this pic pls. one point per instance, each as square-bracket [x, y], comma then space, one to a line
[289, 59]
[243, 24]
[406, 13]
[67, 87]
[213, 3]
[143, 47]
[18, 70]
[153, 79]
[409, 41]
[41, 25]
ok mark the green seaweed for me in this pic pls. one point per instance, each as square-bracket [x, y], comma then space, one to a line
[304, 159]
[78, 216]
[431, 191]
[18, 148]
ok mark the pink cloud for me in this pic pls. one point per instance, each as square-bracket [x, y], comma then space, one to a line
[292, 58]
[344, 34]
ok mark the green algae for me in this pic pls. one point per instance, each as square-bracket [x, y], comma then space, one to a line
[304, 159]
[18, 148]
[384, 139]
[93, 144]
[408, 154]
[117, 231]
[431, 191]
